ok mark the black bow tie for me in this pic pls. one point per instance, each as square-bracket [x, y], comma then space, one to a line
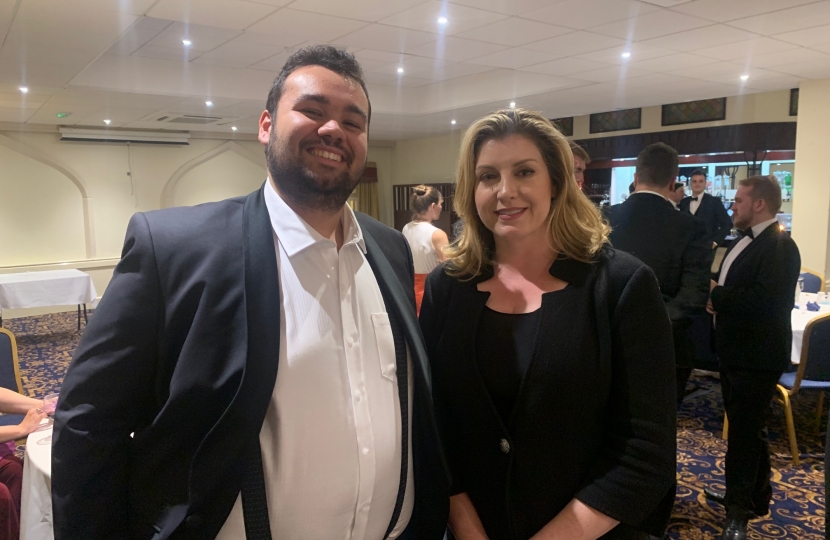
[694, 198]
[748, 232]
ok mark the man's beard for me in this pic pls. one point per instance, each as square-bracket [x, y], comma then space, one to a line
[301, 186]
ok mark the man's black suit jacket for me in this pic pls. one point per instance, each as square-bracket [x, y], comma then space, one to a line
[711, 211]
[673, 244]
[183, 353]
[753, 326]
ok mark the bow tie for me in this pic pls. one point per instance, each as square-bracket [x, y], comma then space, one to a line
[748, 232]
[694, 198]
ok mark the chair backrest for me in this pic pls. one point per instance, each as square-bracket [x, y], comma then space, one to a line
[815, 352]
[813, 282]
[9, 363]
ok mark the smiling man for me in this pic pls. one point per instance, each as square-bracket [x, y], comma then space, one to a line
[255, 369]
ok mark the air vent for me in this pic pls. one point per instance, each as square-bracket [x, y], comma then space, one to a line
[168, 117]
[189, 119]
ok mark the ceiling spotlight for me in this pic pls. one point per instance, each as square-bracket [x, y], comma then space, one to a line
[24, 89]
[400, 70]
[512, 104]
[107, 121]
[452, 122]
[442, 20]
[626, 54]
[187, 42]
[234, 128]
[744, 77]
[209, 103]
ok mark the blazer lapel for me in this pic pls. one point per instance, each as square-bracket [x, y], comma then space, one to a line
[754, 245]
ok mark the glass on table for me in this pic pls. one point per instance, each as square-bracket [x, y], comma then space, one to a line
[50, 403]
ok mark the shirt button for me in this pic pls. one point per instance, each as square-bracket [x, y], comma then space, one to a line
[504, 446]
[365, 451]
[351, 342]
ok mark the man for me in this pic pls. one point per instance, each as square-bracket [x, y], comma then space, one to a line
[581, 161]
[752, 301]
[708, 208]
[173, 421]
[677, 194]
[671, 243]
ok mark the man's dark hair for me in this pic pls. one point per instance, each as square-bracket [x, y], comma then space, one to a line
[580, 152]
[657, 165]
[334, 59]
[698, 172]
[678, 185]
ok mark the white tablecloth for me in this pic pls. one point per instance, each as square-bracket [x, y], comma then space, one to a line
[36, 498]
[801, 317]
[41, 289]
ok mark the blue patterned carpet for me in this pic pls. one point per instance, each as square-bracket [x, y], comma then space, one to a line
[46, 344]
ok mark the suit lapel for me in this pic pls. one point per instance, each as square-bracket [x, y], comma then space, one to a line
[751, 248]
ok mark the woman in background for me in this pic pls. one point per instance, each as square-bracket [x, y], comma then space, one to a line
[426, 241]
[551, 353]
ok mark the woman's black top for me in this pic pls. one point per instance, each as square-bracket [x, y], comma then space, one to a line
[504, 349]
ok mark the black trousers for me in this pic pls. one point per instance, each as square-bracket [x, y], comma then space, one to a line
[746, 398]
[684, 356]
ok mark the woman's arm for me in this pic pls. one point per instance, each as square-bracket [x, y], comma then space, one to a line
[577, 521]
[464, 521]
[13, 403]
[439, 242]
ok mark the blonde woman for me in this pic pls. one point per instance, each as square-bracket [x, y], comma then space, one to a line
[551, 353]
[426, 241]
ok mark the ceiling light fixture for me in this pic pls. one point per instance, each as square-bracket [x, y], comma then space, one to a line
[452, 122]
[744, 77]
[209, 103]
[187, 42]
[442, 20]
[400, 70]
[24, 89]
[626, 54]
[107, 121]
[512, 104]
[234, 128]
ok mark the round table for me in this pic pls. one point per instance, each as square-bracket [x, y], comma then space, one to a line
[36, 497]
[800, 318]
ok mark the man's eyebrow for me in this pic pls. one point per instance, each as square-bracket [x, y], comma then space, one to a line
[323, 100]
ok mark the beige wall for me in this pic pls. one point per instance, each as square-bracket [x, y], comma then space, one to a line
[811, 215]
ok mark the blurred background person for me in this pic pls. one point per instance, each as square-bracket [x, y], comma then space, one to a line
[678, 194]
[581, 161]
[426, 241]
[708, 208]
[551, 353]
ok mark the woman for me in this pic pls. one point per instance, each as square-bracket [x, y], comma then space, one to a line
[551, 353]
[426, 241]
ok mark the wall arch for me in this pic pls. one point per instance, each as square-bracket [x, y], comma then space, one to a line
[68, 172]
[169, 190]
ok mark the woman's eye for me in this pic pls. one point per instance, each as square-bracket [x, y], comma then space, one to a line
[486, 177]
[526, 172]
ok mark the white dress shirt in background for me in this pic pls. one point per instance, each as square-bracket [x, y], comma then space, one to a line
[331, 439]
[695, 204]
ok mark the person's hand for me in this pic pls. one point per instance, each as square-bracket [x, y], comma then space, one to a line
[712, 285]
[710, 309]
[32, 421]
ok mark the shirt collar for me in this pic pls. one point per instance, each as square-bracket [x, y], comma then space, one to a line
[761, 227]
[295, 234]
[650, 192]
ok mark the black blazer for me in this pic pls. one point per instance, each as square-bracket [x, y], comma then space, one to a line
[673, 244]
[711, 211]
[753, 327]
[595, 417]
[182, 352]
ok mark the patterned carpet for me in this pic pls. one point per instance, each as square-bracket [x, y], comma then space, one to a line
[46, 344]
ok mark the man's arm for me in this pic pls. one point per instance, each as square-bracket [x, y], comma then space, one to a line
[106, 395]
[723, 221]
[695, 268]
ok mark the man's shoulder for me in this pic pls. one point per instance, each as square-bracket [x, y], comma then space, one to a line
[214, 219]
[384, 235]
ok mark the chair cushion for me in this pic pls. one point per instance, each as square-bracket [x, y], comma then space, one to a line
[787, 380]
[11, 419]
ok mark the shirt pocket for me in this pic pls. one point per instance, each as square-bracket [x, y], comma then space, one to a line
[385, 344]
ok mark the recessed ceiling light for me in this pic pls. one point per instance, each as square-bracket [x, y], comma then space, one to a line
[107, 121]
[512, 104]
[400, 70]
[233, 128]
[209, 103]
[24, 89]
[744, 77]
[187, 42]
[442, 20]
[452, 122]
[626, 54]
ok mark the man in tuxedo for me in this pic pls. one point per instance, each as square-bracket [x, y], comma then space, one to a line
[173, 421]
[752, 302]
[708, 208]
[671, 243]
[678, 194]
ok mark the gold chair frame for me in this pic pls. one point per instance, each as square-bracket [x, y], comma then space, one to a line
[15, 359]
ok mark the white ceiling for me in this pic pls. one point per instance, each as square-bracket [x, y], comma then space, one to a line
[124, 60]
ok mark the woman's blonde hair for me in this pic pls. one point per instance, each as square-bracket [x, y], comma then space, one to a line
[576, 228]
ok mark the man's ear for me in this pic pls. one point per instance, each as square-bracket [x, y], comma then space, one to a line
[265, 125]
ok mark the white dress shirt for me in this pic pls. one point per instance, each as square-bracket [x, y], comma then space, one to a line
[331, 439]
[740, 246]
[695, 204]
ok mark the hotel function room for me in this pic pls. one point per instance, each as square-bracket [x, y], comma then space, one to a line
[109, 108]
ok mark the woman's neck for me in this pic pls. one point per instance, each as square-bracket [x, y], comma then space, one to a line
[528, 258]
[425, 218]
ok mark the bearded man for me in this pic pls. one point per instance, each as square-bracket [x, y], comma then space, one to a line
[255, 368]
